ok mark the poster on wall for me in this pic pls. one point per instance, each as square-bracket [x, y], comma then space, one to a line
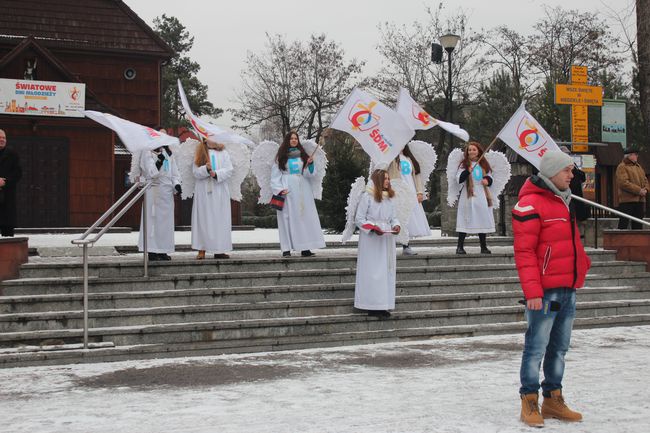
[587, 163]
[42, 98]
[614, 128]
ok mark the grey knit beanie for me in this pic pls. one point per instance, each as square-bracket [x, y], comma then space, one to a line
[553, 162]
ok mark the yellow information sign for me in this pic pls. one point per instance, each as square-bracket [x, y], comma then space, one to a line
[578, 94]
[578, 74]
[579, 128]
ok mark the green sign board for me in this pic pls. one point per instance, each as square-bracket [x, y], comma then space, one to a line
[614, 128]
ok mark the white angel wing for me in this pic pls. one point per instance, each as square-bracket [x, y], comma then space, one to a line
[371, 168]
[500, 173]
[135, 172]
[453, 187]
[240, 156]
[404, 201]
[320, 161]
[358, 187]
[426, 156]
[185, 162]
[262, 161]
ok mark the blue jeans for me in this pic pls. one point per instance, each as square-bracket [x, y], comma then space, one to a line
[547, 337]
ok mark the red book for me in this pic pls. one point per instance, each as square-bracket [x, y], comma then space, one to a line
[375, 227]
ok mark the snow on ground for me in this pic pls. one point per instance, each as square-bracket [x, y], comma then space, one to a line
[454, 385]
[180, 237]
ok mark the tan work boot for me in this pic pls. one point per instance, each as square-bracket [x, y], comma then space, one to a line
[555, 407]
[530, 411]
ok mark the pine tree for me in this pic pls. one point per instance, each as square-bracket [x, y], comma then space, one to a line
[346, 162]
[180, 66]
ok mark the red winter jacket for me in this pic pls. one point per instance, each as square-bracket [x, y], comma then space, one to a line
[548, 251]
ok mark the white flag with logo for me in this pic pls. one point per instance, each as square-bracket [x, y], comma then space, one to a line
[417, 118]
[381, 131]
[527, 137]
[135, 137]
[206, 129]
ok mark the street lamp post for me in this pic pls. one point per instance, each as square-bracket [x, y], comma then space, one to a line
[449, 42]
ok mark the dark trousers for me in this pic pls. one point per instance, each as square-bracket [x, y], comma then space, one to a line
[634, 209]
[6, 231]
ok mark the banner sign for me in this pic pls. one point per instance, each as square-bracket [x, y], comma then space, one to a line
[135, 137]
[526, 136]
[614, 128]
[417, 118]
[42, 98]
[381, 131]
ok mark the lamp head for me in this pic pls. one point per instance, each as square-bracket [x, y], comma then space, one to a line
[449, 41]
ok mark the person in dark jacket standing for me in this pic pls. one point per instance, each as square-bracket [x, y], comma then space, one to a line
[632, 186]
[552, 264]
[579, 177]
[10, 174]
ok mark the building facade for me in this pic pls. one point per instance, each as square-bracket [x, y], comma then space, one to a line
[69, 162]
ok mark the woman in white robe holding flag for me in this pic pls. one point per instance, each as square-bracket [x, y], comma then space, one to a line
[475, 203]
[159, 165]
[211, 218]
[291, 177]
[376, 262]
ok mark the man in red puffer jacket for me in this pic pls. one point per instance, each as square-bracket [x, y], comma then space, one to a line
[552, 264]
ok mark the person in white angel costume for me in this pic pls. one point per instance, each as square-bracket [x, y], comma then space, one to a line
[373, 211]
[211, 219]
[287, 173]
[414, 165]
[475, 180]
[159, 166]
[213, 170]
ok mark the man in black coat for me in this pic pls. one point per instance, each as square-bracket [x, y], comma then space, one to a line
[582, 211]
[10, 174]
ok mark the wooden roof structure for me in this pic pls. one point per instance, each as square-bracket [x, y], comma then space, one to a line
[95, 25]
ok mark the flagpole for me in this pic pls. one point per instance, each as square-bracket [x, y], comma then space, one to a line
[522, 105]
[487, 148]
[314, 152]
[318, 145]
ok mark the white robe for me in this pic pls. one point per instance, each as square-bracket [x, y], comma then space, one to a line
[474, 215]
[376, 260]
[418, 225]
[211, 218]
[160, 203]
[298, 221]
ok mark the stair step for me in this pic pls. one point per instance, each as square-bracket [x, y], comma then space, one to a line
[98, 318]
[277, 327]
[202, 295]
[132, 266]
[15, 358]
[29, 286]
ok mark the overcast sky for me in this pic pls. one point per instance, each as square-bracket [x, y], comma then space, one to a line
[225, 30]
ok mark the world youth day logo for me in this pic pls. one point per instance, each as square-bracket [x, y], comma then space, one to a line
[422, 116]
[530, 138]
[74, 93]
[362, 117]
[199, 128]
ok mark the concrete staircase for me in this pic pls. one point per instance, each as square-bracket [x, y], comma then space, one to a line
[260, 302]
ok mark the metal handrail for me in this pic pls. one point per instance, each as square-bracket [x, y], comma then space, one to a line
[85, 242]
[609, 209]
